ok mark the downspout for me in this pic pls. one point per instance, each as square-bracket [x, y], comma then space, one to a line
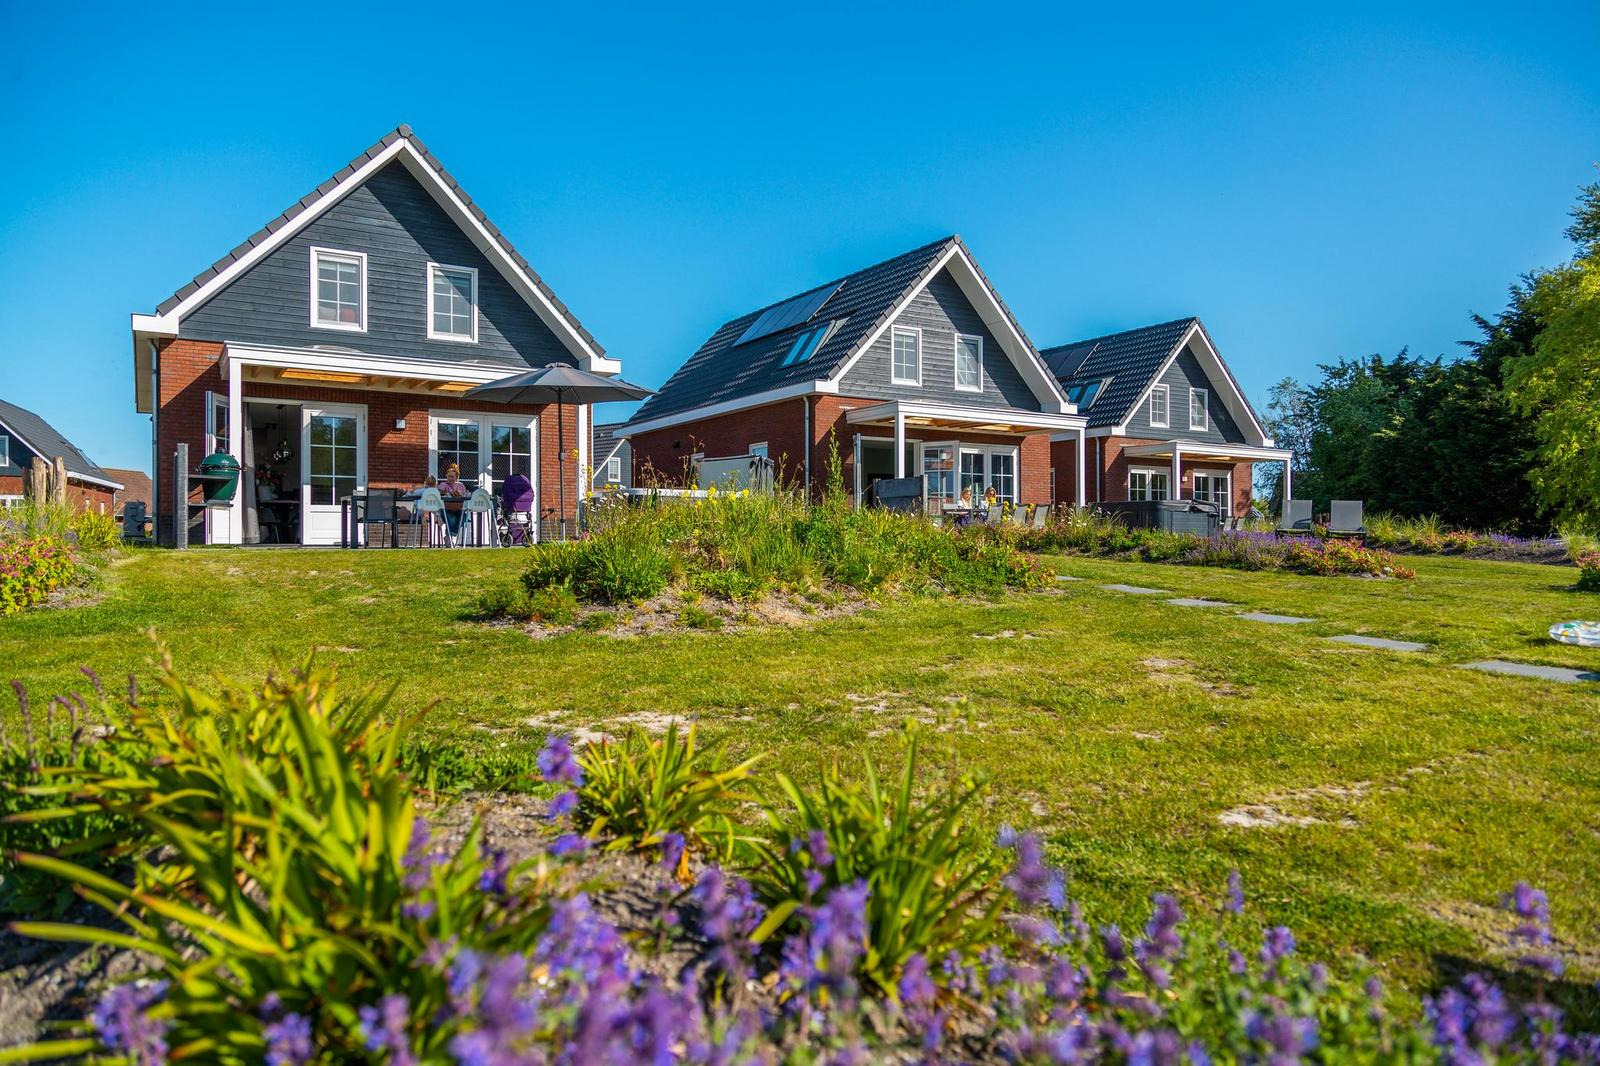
[155, 442]
[805, 402]
[1099, 470]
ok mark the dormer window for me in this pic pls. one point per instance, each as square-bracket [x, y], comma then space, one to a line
[338, 290]
[452, 303]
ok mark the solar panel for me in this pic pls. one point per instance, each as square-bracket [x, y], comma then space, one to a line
[791, 312]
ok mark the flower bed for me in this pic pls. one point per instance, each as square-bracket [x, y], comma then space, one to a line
[1589, 571]
[31, 568]
[866, 921]
[1427, 536]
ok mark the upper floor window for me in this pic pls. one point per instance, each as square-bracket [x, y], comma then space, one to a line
[5, 450]
[1198, 418]
[907, 355]
[452, 303]
[338, 289]
[614, 470]
[969, 363]
[1161, 406]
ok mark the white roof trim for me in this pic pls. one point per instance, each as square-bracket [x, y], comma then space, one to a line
[889, 409]
[1204, 449]
[402, 149]
[360, 363]
[71, 473]
[1211, 362]
[994, 315]
[759, 399]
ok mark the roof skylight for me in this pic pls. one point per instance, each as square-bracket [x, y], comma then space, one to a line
[1083, 394]
[808, 343]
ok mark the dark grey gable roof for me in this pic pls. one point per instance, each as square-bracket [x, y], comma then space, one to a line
[315, 195]
[605, 441]
[42, 438]
[725, 370]
[1131, 359]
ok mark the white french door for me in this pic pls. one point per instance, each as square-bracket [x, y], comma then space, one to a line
[1214, 488]
[333, 464]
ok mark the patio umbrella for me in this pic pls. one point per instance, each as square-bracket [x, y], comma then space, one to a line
[560, 384]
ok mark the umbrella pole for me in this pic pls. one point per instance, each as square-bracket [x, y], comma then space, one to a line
[561, 465]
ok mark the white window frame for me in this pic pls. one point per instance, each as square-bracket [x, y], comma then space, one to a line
[5, 449]
[956, 368]
[613, 471]
[446, 268]
[1165, 392]
[989, 451]
[757, 448]
[1204, 396]
[1227, 488]
[485, 421]
[955, 469]
[894, 376]
[360, 326]
[1149, 473]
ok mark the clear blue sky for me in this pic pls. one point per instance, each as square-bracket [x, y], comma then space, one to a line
[1313, 185]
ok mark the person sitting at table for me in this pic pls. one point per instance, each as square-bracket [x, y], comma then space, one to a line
[989, 497]
[451, 484]
[966, 497]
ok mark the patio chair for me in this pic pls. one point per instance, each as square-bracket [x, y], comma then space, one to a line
[477, 520]
[1018, 515]
[1041, 515]
[1296, 517]
[1345, 519]
[380, 507]
[996, 514]
[430, 509]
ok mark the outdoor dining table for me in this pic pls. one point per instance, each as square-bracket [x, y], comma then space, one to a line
[350, 515]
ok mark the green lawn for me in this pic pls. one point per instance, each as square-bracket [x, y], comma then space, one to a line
[1123, 727]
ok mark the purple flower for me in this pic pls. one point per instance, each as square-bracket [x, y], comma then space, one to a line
[728, 915]
[562, 806]
[671, 851]
[1116, 950]
[817, 848]
[1288, 1036]
[1532, 936]
[122, 1021]
[421, 857]
[916, 988]
[580, 944]
[288, 1040]
[1032, 882]
[1234, 904]
[383, 1028]
[1276, 945]
[557, 763]
[825, 955]
[496, 873]
[568, 844]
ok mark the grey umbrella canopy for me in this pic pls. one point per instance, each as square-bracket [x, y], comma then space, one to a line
[560, 384]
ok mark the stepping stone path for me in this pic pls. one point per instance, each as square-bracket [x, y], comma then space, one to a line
[1544, 673]
[1275, 619]
[1135, 590]
[1067, 577]
[1194, 601]
[1379, 642]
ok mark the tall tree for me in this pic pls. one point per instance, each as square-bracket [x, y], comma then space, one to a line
[1289, 417]
[1558, 383]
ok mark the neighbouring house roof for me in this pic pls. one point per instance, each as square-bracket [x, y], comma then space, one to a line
[727, 367]
[1132, 360]
[136, 484]
[606, 441]
[335, 184]
[42, 438]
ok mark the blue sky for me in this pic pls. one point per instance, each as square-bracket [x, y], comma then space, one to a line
[1314, 185]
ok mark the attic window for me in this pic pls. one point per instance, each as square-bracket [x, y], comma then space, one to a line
[1085, 393]
[338, 290]
[452, 303]
[807, 344]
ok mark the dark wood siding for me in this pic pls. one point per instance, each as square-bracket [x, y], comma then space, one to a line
[941, 310]
[20, 456]
[1186, 373]
[401, 228]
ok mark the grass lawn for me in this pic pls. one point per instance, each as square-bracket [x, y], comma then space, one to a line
[1409, 793]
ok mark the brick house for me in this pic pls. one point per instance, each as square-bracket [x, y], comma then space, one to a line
[914, 367]
[1166, 420]
[24, 437]
[329, 353]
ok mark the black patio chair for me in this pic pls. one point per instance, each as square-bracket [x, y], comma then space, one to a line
[380, 507]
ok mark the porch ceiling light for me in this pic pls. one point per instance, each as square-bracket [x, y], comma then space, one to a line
[452, 386]
[322, 375]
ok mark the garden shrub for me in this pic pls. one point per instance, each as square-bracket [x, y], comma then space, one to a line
[637, 790]
[555, 605]
[31, 568]
[95, 530]
[1589, 572]
[930, 881]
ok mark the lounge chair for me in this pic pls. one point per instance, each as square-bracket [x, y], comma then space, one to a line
[1345, 520]
[1296, 517]
[1041, 514]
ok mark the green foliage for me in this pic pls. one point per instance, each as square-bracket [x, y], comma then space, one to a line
[95, 530]
[637, 790]
[934, 879]
[610, 567]
[1589, 572]
[555, 605]
[696, 617]
[31, 568]
[290, 862]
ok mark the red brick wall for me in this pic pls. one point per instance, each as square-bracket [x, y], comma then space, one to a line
[396, 458]
[78, 494]
[665, 452]
[1104, 456]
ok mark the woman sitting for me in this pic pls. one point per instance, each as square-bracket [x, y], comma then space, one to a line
[451, 484]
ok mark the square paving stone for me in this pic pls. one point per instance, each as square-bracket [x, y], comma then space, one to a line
[1379, 642]
[1275, 619]
[1135, 590]
[1543, 673]
[1195, 601]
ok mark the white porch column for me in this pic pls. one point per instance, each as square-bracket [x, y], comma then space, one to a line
[899, 444]
[584, 483]
[1083, 446]
[1177, 471]
[234, 534]
[1288, 485]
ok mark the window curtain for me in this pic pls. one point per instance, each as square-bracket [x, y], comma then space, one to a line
[252, 518]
